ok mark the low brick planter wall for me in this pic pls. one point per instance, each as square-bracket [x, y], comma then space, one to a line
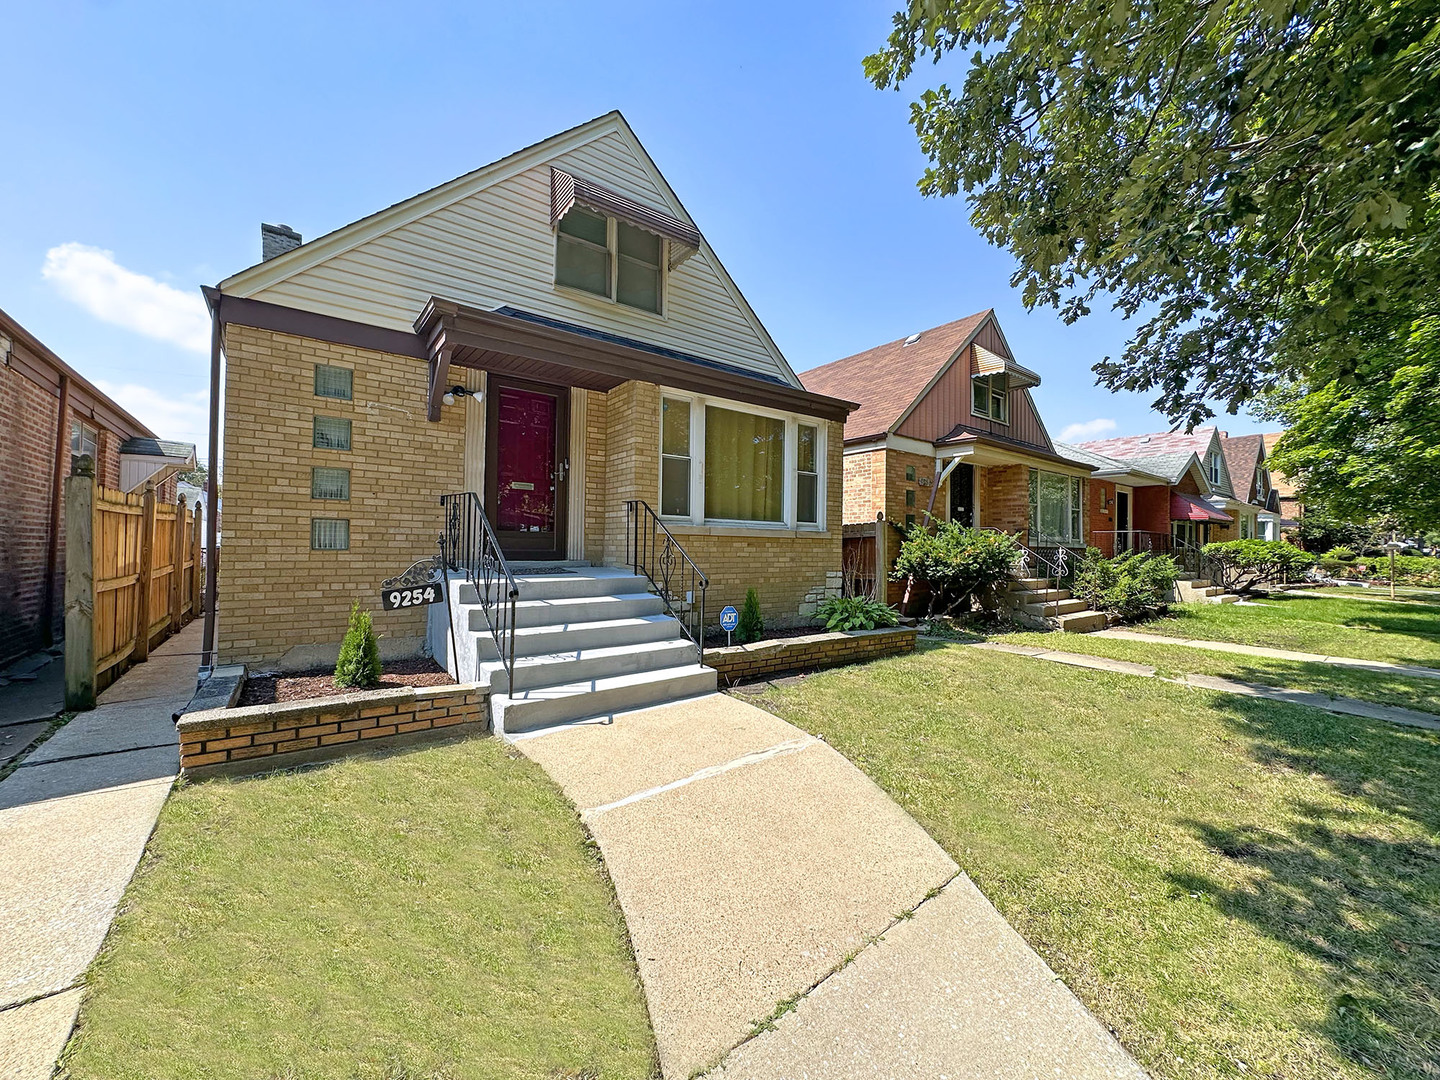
[761, 659]
[255, 738]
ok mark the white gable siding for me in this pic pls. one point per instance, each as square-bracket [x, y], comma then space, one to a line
[496, 247]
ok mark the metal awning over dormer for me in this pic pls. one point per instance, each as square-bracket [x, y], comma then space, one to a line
[567, 189]
[985, 362]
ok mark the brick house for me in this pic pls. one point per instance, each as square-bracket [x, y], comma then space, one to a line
[50, 415]
[552, 333]
[1288, 502]
[1246, 461]
[947, 426]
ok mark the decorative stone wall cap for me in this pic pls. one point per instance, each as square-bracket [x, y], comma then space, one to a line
[780, 644]
[339, 704]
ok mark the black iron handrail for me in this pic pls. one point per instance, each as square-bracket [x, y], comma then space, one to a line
[651, 549]
[1052, 570]
[469, 546]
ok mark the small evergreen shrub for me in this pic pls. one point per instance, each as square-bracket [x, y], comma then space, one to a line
[359, 664]
[752, 624]
[855, 613]
[963, 568]
[1129, 586]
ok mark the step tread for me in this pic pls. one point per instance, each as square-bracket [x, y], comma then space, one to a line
[601, 685]
[522, 632]
[598, 599]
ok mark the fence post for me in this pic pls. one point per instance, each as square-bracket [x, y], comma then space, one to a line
[80, 586]
[882, 567]
[147, 568]
[177, 563]
[197, 590]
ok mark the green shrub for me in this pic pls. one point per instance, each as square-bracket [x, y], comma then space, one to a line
[1240, 565]
[1128, 585]
[1340, 554]
[1409, 569]
[855, 613]
[359, 663]
[961, 567]
[752, 624]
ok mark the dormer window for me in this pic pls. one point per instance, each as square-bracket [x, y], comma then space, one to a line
[990, 397]
[608, 257]
[1212, 465]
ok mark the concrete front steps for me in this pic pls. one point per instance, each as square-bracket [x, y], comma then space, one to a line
[589, 641]
[1202, 591]
[1033, 602]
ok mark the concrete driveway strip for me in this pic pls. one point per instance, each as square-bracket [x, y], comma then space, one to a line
[952, 992]
[745, 879]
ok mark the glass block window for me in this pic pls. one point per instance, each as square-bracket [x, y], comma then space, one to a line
[334, 382]
[332, 433]
[329, 534]
[909, 496]
[330, 483]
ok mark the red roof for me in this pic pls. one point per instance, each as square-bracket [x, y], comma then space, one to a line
[1161, 442]
[886, 379]
[1189, 508]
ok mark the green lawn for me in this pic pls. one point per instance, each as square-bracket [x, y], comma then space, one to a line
[437, 914]
[1171, 661]
[1399, 633]
[1237, 887]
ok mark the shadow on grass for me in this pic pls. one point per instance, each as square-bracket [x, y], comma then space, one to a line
[1336, 883]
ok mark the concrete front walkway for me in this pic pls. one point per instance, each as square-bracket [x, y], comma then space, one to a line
[1273, 654]
[74, 820]
[758, 870]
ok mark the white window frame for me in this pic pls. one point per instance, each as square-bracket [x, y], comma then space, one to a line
[791, 523]
[1075, 495]
[612, 247]
[1212, 461]
[990, 397]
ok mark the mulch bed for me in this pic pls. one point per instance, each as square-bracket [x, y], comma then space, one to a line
[301, 686]
[714, 638]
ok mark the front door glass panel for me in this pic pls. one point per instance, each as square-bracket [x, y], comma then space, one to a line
[525, 466]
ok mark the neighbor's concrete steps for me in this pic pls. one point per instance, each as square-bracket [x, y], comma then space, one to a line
[1034, 603]
[1202, 591]
[589, 641]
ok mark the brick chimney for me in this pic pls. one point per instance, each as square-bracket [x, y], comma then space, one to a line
[277, 240]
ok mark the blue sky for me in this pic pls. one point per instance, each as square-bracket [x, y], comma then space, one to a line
[163, 134]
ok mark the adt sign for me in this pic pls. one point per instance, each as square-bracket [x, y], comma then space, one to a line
[729, 619]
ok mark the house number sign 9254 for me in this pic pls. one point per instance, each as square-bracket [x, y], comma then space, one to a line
[419, 585]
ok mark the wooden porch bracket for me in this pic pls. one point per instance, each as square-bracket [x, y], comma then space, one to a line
[439, 381]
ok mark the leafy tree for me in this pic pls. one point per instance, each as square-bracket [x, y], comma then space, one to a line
[197, 476]
[1243, 564]
[1257, 180]
[1369, 446]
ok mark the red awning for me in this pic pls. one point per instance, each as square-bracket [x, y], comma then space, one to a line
[1189, 508]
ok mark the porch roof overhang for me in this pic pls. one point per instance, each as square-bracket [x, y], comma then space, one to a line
[513, 342]
[987, 448]
[1188, 508]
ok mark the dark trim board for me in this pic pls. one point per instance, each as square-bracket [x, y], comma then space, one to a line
[263, 315]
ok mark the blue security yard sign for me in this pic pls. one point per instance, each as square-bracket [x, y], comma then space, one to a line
[729, 619]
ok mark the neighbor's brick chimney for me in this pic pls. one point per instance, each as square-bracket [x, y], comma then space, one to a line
[277, 240]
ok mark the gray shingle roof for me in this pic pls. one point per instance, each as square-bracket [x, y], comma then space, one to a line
[157, 448]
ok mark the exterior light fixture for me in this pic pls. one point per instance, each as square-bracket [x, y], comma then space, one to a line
[456, 392]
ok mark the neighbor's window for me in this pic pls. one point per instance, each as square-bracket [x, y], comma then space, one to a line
[1244, 526]
[610, 258]
[329, 534]
[1055, 509]
[1213, 461]
[675, 457]
[330, 483]
[84, 440]
[744, 466]
[332, 433]
[334, 382]
[990, 396]
[807, 474]
[910, 473]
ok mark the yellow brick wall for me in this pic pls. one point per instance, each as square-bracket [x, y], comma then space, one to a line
[276, 595]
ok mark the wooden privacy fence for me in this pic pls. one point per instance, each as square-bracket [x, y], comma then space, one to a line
[132, 578]
[863, 552]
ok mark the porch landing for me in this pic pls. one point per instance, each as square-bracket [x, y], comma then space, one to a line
[590, 641]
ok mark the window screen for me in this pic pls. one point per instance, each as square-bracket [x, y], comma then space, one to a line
[638, 282]
[807, 475]
[675, 457]
[582, 252]
[334, 382]
[332, 433]
[330, 483]
[329, 534]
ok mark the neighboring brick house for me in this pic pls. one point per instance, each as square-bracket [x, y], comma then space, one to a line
[550, 332]
[1288, 502]
[1246, 460]
[947, 426]
[49, 416]
[1205, 504]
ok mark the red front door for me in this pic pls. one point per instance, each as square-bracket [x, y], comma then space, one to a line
[526, 462]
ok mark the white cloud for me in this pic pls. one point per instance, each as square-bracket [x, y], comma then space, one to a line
[94, 280]
[181, 416]
[1089, 429]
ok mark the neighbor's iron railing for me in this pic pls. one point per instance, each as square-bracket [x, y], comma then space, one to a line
[1128, 540]
[652, 550]
[1054, 564]
[469, 546]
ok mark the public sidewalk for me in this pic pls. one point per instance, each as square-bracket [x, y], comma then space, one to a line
[74, 820]
[789, 919]
[1273, 654]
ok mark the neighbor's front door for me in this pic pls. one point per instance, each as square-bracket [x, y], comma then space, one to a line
[527, 461]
